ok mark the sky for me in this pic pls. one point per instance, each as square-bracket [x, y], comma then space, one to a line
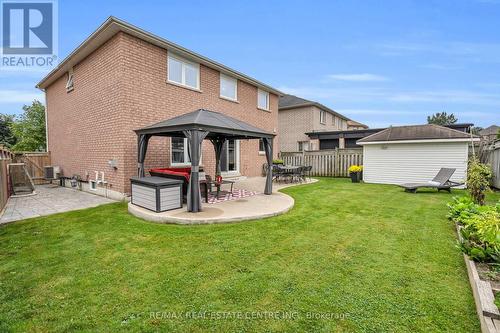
[377, 62]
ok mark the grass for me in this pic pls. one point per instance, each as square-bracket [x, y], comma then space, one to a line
[348, 257]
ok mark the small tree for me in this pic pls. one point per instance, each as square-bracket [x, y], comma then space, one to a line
[7, 138]
[442, 118]
[478, 180]
[30, 128]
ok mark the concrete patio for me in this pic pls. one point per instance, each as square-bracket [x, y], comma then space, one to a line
[249, 208]
[49, 200]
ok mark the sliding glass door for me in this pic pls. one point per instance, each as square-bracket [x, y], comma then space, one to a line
[230, 158]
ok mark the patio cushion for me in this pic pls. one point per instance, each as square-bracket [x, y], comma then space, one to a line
[184, 172]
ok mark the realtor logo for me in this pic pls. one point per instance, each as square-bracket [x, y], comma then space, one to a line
[29, 33]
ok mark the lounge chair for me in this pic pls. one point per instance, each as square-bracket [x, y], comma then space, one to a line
[441, 182]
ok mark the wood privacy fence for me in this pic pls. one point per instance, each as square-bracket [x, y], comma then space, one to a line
[492, 157]
[34, 161]
[5, 158]
[330, 163]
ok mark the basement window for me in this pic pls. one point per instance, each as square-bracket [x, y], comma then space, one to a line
[69, 83]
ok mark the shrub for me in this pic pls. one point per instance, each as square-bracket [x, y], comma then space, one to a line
[478, 180]
[480, 228]
[278, 161]
[481, 236]
[355, 168]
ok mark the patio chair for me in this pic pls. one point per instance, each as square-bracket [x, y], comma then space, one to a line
[307, 172]
[210, 182]
[440, 182]
[277, 172]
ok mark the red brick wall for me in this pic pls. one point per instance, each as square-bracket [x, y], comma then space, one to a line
[123, 86]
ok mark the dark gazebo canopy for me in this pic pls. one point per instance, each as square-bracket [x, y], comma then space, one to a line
[197, 126]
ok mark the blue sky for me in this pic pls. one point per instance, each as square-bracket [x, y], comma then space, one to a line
[379, 62]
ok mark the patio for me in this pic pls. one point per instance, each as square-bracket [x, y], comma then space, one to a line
[255, 206]
[49, 200]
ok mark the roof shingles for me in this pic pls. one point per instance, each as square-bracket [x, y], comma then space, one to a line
[415, 132]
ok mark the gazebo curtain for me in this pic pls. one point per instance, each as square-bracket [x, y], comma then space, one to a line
[195, 139]
[218, 146]
[268, 146]
[142, 147]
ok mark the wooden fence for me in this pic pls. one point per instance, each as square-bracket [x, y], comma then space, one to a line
[34, 161]
[5, 158]
[330, 163]
[492, 157]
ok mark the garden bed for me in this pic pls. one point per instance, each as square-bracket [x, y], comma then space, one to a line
[482, 278]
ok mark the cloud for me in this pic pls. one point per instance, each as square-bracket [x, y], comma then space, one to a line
[471, 51]
[19, 96]
[365, 77]
[376, 94]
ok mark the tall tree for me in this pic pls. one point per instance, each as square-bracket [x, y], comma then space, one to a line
[442, 118]
[29, 129]
[7, 138]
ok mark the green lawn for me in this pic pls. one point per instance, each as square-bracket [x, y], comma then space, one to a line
[356, 257]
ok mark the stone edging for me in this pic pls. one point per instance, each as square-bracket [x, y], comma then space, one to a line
[487, 311]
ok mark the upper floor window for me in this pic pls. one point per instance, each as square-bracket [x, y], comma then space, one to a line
[69, 83]
[183, 72]
[263, 100]
[322, 116]
[228, 87]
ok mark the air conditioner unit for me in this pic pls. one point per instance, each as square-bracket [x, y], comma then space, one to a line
[51, 172]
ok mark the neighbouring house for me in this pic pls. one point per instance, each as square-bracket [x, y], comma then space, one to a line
[298, 116]
[354, 125]
[348, 138]
[122, 78]
[489, 134]
[413, 154]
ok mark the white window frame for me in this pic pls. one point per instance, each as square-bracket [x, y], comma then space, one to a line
[322, 117]
[228, 78]
[303, 144]
[259, 91]
[237, 157]
[186, 155]
[183, 62]
[261, 152]
[70, 84]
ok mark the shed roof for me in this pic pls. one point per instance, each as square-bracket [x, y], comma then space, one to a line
[216, 123]
[416, 132]
[287, 102]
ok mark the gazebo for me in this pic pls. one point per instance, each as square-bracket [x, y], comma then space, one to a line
[197, 126]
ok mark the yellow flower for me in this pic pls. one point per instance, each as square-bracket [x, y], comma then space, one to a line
[355, 168]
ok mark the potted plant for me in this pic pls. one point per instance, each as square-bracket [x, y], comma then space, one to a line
[355, 172]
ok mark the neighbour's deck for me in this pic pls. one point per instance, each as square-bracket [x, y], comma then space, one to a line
[247, 208]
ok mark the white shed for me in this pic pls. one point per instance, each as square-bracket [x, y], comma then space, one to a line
[414, 154]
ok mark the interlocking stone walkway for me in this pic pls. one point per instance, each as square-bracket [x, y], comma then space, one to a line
[49, 200]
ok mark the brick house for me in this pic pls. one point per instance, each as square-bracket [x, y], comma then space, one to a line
[298, 116]
[123, 78]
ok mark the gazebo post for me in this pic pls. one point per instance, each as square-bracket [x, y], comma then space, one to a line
[268, 146]
[195, 139]
[218, 146]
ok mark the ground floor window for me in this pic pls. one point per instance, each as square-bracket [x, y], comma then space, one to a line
[303, 145]
[262, 150]
[179, 152]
